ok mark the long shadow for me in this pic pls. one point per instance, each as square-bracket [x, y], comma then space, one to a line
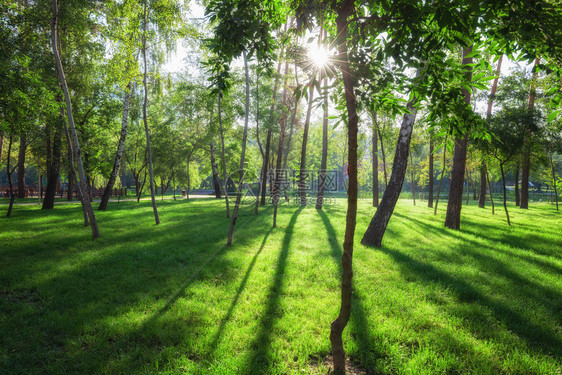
[368, 353]
[241, 287]
[534, 334]
[258, 361]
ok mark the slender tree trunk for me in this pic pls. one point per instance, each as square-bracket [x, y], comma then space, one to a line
[74, 138]
[21, 166]
[517, 196]
[375, 159]
[454, 204]
[339, 324]
[554, 180]
[302, 174]
[119, 153]
[224, 177]
[482, 198]
[287, 148]
[243, 155]
[1, 144]
[383, 154]
[53, 163]
[278, 170]
[9, 172]
[375, 232]
[491, 192]
[504, 194]
[430, 177]
[72, 172]
[324, 161]
[413, 174]
[144, 118]
[264, 163]
[524, 203]
[442, 177]
[216, 183]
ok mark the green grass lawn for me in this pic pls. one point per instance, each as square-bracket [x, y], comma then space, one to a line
[173, 299]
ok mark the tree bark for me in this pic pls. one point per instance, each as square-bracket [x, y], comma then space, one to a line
[1, 144]
[324, 161]
[430, 172]
[278, 170]
[339, 324]
[216, 183]
[53, 163]
[119, 153]
[224, 177]
[504, 194]
[375, 159]
[482, 198]
[243, 155]
[491, 192]
[55, 38]
[524, 203]
[302, 174]
[145, 120]
[442, 177]
[21, 166]
[377, 227]
[454, 204]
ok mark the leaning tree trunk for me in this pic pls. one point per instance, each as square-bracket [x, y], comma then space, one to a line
[375, 160]
[491, 192]
[119, 154]
[243, 155]
[278, 170]
[302, 174]
[527, 144]
[224, 180]
[375, 232]
[324, 161]
[144, 118]
[216, 183]
[21, 167]
[430, 173]
[454, 204]
[504, 194]
[339, 324]
[482, 198]
[55, 38]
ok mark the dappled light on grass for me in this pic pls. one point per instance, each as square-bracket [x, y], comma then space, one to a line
[171, 298]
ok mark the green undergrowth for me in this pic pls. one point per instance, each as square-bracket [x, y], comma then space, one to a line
[174, 299]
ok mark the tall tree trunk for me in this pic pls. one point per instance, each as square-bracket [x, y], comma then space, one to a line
[53, 162]
[517, 196]
[9, 172]
[504, 194]
[324, 161]
[216, 183]
[72, 129]
[1, 144]
[119, 153]
[383, 154]
[377, 227]
[524, 204]
[339, 324]
[442, 177]
[491, 192]
[375, 159]
[430, 173]
[144, 118]
[21, 166]
[243, 155]
[266, 163]
[287, 147]
[72, 172]
[278, 170]
[454, 204]
[483, 169]
[302, 174]
[260, 181]
[224, 177]
[413, 174]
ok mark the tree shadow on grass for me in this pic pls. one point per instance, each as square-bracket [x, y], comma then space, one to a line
[241, 287]
[369, 352]
[534, 334]
[258, 361]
